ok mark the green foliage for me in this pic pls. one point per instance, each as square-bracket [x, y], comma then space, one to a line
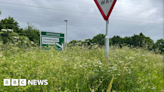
[116, 40]
[6, 37]
[134, 42]
[83, 70]
[100, 39]
[127, 40]
[110, 85]
[160, 44]
[73, 42]
[32, 33]
[9, 23]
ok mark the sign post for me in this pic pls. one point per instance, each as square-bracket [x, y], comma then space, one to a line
[106, 7]
[51, 39]
[106, 40]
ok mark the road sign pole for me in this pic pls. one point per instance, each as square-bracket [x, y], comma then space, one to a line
[107, 41]
[66, 34]
[40, 41]
[106, 7]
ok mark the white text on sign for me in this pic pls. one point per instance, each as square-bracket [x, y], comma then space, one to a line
[47, 40]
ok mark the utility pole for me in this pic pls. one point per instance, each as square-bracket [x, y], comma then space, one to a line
[66, 32]
[163, 41]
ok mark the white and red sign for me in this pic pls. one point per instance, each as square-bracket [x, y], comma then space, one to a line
[105, 7]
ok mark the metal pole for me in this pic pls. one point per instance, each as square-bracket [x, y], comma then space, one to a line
[66, 33]
[163, 43]
[40, 41]
[107, 41]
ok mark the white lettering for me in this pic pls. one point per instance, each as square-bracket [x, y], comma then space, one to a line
[45, 82]
[35, 82]
[39, 82]
[30, 82]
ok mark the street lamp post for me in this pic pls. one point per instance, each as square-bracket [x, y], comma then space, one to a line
[66, 32]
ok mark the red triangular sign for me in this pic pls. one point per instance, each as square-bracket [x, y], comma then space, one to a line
[105, 7]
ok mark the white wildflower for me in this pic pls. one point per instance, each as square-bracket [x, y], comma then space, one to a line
[32, 42]
[118, 74]
[10, 57]
[127, 63]
[15, 37]
[120, 61]
[5, 68]
[15, 40]
[25, 41]
[115, 69]
[80, 66]
[131, 57]
[3, 30]
[9, 30]
[74, 67]
[153, 88]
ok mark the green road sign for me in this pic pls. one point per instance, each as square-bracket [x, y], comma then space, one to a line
[51, 39]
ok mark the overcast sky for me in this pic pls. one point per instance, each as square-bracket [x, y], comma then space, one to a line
[128, 17]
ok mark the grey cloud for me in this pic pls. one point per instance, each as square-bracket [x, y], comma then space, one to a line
[121, 22]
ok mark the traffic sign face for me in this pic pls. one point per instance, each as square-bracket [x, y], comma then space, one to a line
[51, 39]
[105, 7]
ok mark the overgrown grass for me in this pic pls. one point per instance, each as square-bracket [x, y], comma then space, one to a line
[83, 70]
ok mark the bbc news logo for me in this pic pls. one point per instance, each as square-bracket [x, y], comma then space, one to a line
[22, 82]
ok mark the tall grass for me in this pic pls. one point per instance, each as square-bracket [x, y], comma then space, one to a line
[83, 70]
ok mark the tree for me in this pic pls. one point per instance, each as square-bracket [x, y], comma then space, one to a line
[100, 39]
[149, 42]
[32, 33]
[138, 40]
[87, 42]
[9, 23]
[160, 44]
[8, 37]
[127, 40]
[117, 40]
[73, 42]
